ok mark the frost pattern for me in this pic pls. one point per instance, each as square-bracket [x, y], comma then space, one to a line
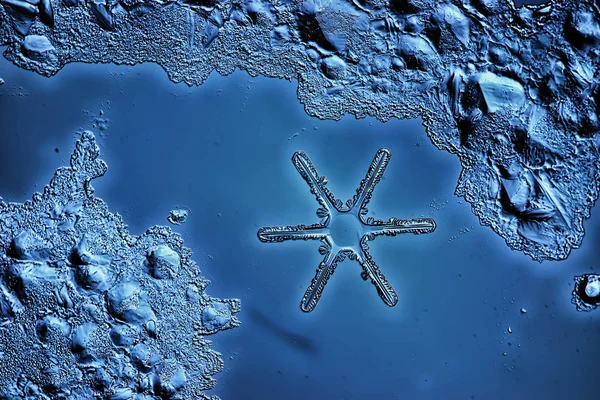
[513, 92]
[88, 311]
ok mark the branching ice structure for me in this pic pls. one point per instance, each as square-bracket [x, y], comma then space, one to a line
[345, 230]
[88, 311]
[513, 92]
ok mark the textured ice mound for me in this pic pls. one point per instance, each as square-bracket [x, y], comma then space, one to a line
[89, 311]
[512, 91]
[178, 216]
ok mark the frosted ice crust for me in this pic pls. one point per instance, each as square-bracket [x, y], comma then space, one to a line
[89, 311]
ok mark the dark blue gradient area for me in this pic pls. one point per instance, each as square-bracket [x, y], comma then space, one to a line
[224, 151]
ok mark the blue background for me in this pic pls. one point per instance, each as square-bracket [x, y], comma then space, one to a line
[224, 150]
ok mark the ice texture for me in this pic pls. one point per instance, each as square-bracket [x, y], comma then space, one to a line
[89, 311]
[344, 229]
[178, 216]
[586, 295]
[512, 91]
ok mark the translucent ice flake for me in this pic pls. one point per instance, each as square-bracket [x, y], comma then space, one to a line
[344, 229]
[502, 87]
[112, 307]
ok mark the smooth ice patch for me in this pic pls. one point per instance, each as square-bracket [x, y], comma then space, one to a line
[346, 229]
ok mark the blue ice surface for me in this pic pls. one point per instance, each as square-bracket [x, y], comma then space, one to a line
[222, 150]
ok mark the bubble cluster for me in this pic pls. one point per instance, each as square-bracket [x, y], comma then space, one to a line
[89, 311]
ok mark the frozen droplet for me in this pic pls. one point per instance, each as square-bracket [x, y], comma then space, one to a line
[592, 288]
[143, 357]
[163, 262]
[215, 316]
[333, 67]
[178, 216]
[81, 338]
[151, 328]
[124, 335]
[127, 302]
[36, 47]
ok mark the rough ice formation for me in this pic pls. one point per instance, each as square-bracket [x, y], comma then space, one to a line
[344, 229]
[512, 91]
[586, 295]
[178, 216]
[89, 311]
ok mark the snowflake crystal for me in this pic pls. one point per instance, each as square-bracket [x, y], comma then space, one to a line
[345, 230]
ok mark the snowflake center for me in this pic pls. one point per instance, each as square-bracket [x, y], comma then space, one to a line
[345, 229]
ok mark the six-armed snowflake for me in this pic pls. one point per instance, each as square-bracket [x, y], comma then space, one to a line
[344, 229]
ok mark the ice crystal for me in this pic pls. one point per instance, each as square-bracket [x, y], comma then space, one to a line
[345, 229]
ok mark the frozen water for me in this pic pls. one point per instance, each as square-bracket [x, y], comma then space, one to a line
[499, 92]
[79, 315]
[163, 262]
[458, 292]
[592, 289]
[511, 90]
[37, 44]
[586, 295]
[178, 216]
[345, 229]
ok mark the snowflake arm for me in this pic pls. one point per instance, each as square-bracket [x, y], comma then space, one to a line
[272, 234]
[397, 226]
[372, 271]
[358, 204]
[323, 273]
[317, 184]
